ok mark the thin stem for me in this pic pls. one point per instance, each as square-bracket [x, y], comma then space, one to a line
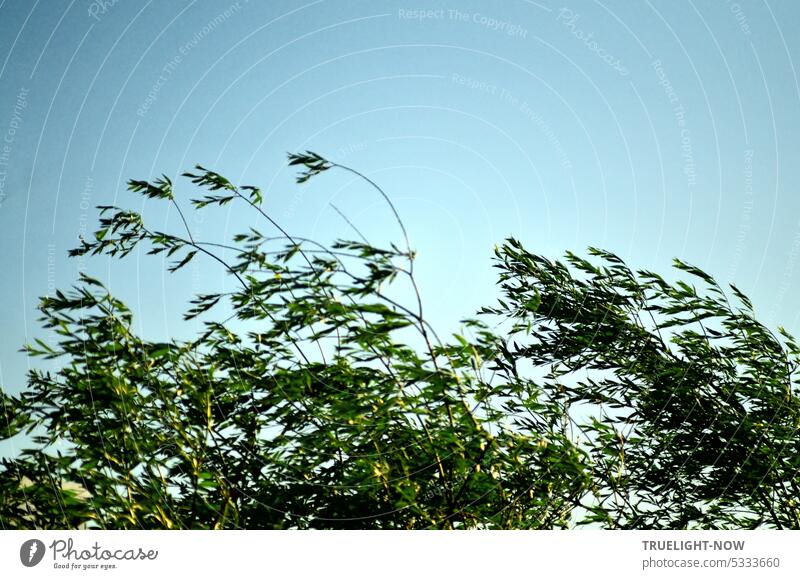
[385, 197]
[350, 223]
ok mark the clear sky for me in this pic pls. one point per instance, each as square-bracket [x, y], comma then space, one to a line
[655, 129]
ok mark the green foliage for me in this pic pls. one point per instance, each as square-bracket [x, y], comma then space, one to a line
[589, 395]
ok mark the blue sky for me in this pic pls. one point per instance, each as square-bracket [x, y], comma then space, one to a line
[653, 129]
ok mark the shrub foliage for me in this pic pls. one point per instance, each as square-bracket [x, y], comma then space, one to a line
[589, 394]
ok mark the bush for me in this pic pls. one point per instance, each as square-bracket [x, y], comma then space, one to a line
[590, 394]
